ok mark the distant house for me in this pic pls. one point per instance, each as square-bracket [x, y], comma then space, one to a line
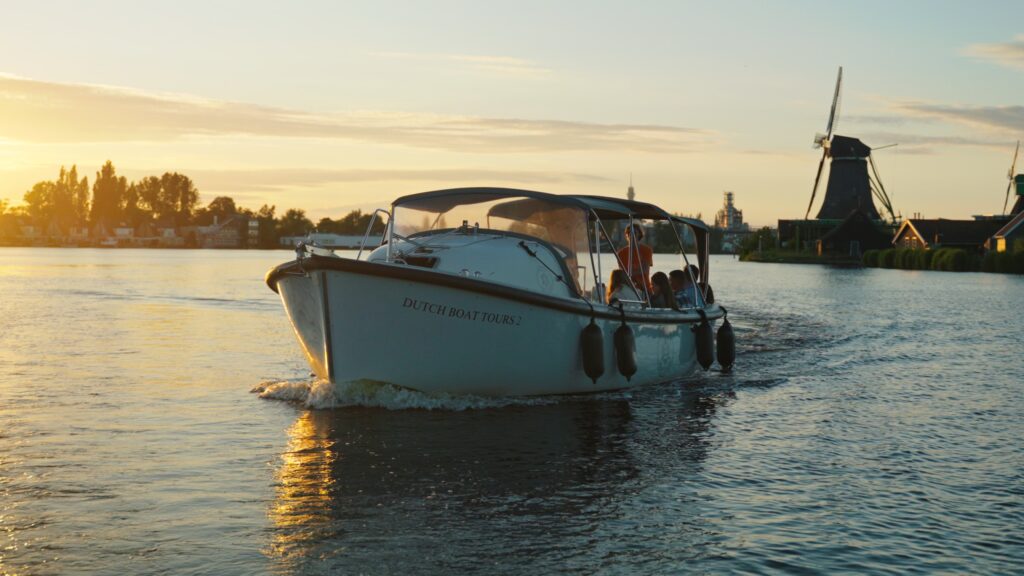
[1005, 237]
[221, 234]
[922, 234]
[331, 240]
[78, 234]
[29, 231]
[253, 227]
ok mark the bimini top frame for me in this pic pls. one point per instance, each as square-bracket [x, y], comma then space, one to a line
[596, 208]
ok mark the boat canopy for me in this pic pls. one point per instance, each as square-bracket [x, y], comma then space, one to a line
[562, 220]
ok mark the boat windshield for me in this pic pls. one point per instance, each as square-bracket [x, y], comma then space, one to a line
[559, 224]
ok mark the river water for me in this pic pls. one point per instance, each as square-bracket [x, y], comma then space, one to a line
[873, 424]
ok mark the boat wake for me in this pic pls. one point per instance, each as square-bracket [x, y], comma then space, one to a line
[322, 395]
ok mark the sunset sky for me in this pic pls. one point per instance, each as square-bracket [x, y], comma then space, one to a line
[331, 106]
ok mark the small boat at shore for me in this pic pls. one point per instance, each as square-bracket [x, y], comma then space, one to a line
[507, 302]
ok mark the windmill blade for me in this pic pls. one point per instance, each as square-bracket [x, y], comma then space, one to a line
[882, 195]
[817, 179]
[1009, 176]
[833, 114]
[1013, 165]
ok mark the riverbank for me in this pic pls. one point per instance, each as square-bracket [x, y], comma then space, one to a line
[785, 257]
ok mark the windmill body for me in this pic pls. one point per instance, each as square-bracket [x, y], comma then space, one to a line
[849, 186]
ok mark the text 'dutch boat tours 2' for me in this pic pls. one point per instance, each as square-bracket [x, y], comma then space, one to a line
[508, 301]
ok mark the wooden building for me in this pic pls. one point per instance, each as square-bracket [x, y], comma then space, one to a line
[923, 234]
[1004, 238]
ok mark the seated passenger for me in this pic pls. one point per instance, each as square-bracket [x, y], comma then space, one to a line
[619, 288]
[686, 292]
[708, 292]
[662, 295]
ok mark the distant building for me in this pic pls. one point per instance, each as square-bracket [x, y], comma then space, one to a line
[225, 234]
[730, 221]
[1004, 238]
[253, 233]
[922, 234]
[730, 218]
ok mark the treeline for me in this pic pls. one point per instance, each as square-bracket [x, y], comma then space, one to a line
[948, 260]
[171, 200]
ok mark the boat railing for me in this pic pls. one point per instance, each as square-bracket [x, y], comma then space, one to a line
[369, 227]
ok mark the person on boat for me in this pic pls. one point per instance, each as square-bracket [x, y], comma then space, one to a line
[619, 288]
[685, 289]
[662, 295]
[636, 258]
[709, 294]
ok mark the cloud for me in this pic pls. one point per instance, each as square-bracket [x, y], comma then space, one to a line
[920, 144]
[1009, 54]
[292, 178]
[500, 65]
[1008, 119]
[886, 120]
[36, 111]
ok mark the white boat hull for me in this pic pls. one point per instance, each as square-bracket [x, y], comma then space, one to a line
[361, 324]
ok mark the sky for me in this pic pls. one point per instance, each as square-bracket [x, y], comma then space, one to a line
[332, 106]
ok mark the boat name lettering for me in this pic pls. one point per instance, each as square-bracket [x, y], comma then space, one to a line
[463, 313]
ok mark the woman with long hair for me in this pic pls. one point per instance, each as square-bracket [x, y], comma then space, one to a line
[662, 296]
[619, 288]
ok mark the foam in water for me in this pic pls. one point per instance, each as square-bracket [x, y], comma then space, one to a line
[321, 394]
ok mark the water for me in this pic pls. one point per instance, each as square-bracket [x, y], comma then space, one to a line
[873, 424]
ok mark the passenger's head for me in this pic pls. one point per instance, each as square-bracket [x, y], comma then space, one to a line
[677, 279]
[635, 233]
[659, 281]
[695, 271]
[618, 280]
[662, 286]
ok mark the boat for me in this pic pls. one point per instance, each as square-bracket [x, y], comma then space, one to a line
[508, 301]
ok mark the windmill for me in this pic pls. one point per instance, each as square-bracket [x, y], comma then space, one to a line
[1010, 176]
[850, 185]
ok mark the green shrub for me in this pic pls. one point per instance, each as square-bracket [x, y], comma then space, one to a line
[1018, 262]
[910, 259]
[870, 258]
[939, 259]
[988, 263]
[1004, 263]
[958, 261]
[886, 258]
[899, 258]
[923, 259]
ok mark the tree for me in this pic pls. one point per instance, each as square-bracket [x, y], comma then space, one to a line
[294, 223]
[179, 195]
[353, 223]
[131, 207]
[268, 227]
[3, 206]
[39, 201]
[221, 208]
[64, 202]
[148, 196]
[109, 196]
